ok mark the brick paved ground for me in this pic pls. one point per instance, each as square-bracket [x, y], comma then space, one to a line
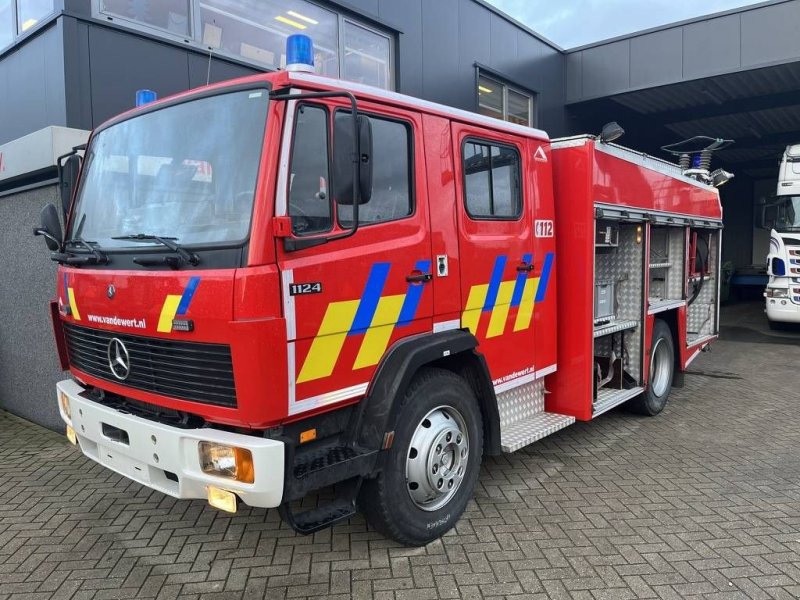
[702, 501]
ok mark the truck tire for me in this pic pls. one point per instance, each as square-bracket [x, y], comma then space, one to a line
[662, 369]
[776, 325]
[431, 469]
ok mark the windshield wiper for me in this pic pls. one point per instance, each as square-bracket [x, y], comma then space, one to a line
[99, 256]
[169, 242]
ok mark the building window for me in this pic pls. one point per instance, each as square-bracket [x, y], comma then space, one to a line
[491, 181]
[367, 56]
[256, 30]
[6, 23]
[169, 15]
[30, 13]
[496, 99]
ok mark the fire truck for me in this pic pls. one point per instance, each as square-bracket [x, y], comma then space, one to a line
[289, 283]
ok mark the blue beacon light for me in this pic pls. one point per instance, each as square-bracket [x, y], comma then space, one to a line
[145, 97]
[299, 53]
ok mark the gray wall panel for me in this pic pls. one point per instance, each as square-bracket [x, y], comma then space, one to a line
[32, 92]
[771, 34]
[408, 58]
[749, 37]
[503, 44]
[122, 63]
[606, 69]
[656, 58]
[439, 43]
[711, 47]
[29, 366]
[220, 70]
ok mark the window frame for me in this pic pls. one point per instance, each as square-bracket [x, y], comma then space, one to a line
[99, 13]
[482, 73]
[329, 143]
[343, 20]
[519, 187]
[412, 179]
[194, 37]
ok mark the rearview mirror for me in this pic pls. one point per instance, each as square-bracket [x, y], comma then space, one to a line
[51, 228]
[67, 178]
[611, 131]
[343, 148]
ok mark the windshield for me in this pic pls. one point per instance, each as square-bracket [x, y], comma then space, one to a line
[186, 172]
[785, 214]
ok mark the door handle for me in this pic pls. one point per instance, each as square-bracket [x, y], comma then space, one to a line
[419, 278]
[525, 268]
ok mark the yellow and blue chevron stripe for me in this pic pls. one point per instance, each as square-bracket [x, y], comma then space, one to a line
[498, 297]
[374, 316]
[69, 296]
[175, 304]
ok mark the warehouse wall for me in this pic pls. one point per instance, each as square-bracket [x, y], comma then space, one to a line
[28, 365]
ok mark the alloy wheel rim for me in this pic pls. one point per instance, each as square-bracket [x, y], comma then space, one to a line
[660, 368]
[437, 458]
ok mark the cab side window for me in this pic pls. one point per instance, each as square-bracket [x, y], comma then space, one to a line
[491, 180]
[391, 176]
[309, 203]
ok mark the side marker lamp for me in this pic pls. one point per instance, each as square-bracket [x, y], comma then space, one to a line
[229, 462]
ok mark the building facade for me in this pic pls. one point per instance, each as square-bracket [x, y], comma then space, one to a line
[75, 63]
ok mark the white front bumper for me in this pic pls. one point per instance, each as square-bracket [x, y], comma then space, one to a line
[784, 313]
[153, 450]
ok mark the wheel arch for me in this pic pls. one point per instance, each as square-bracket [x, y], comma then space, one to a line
[453, 350]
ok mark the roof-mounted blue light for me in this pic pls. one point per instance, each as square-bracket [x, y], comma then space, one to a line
[299, 53]
[145, 97]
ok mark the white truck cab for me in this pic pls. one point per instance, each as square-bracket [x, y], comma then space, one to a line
[782, 215]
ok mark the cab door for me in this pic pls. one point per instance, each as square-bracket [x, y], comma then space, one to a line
[346, 301]
[498, 283]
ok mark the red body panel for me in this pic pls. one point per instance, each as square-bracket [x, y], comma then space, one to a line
[585, 176]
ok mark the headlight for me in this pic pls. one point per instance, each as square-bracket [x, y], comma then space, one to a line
[780, 293]
[226, 461]
[63, 399]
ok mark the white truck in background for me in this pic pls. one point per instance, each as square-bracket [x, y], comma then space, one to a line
[782, 216]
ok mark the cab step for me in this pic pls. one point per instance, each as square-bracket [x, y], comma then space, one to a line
[341, 508]
[532, 429]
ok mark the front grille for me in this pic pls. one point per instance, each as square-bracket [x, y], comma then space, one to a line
[186, 370]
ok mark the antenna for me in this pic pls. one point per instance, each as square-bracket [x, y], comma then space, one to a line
[210, 49]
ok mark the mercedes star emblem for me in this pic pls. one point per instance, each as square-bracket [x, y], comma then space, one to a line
[119, 361]
[111, 291]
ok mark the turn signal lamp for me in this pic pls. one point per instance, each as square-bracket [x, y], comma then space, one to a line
[229, 462]
[299, 53]
[64, 401]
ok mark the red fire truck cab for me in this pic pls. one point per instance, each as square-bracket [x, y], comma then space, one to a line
[286, 282]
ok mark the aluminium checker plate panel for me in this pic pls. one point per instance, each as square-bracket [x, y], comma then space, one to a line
[523, 419]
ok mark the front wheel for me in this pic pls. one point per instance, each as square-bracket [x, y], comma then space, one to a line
[662, 368]
[431, 469]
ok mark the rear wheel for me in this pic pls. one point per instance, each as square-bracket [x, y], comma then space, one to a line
[662, 369]
[431, 469]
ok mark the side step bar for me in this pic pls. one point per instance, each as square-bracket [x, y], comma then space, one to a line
[532, 429]
[341, 508]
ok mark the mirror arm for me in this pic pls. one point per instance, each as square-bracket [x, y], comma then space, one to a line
[46, 234]
[283, 96]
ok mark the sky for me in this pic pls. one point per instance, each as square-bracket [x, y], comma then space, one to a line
[571, 23]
